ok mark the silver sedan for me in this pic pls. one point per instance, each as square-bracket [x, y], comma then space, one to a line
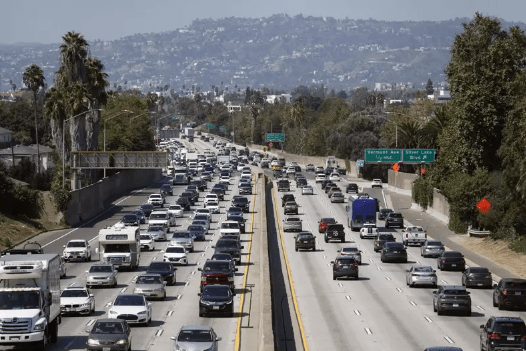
[150, 285]
[432, 248]
[307, 190]
[292, 224]
[421, 275]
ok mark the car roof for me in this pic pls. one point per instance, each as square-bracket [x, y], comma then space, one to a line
[508, 319]
[197, 327]
[77, 240]
[453, 287]
[75, 288]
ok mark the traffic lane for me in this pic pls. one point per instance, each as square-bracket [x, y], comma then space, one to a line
[400, 269]
[309, 267]
[186, 307]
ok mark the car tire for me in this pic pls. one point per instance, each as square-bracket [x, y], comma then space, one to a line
[468, 312]
[439, 312]
[296, 249]
[201, 314]
[434, 307]
[387, 225]
[314, 248]
[333, 277]
[500, 306]
[326, 240]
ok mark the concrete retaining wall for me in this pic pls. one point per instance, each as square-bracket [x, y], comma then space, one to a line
[88, 202]
[305, 160]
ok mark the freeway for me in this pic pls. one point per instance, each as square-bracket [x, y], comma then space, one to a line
[378, 311]
[181, 305]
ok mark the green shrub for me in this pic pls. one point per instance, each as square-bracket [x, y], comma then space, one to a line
[423, 192]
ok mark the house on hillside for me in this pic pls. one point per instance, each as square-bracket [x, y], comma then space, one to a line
[5, 138]
[286, 98]
[18, 152]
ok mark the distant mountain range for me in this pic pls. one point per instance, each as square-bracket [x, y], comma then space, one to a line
[278, 52]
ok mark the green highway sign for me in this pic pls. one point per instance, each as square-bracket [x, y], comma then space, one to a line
[383, 155]
[222, 129]
[418, 155]
[275, 137]
[174, 118]
[210, 126]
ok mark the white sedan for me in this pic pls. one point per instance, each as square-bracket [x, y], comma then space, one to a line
[376, 183]
[212, 206]
[307, 190]
[134, 305]
[176, 255]
[147, 242]
[335, 177]
[176, 210]
[320, 178]
[76, 299]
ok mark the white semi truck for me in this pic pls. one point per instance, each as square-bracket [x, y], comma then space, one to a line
[29, 298]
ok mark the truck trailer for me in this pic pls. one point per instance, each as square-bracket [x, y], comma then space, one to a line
[29, 299]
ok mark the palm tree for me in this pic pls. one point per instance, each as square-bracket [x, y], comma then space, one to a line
[55, 111]
[97, 82]
[33, 78]
[73, 54]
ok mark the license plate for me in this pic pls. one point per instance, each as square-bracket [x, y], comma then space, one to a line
[517, 292]
[344, 267]
[215, 307]
[396, 251]
[305, 241]
[453, 265]
[455, 305]
[106, 348]
[425, 278]
[479, 284]
[511, 338]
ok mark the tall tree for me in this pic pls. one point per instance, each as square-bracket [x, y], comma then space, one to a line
[33, 78]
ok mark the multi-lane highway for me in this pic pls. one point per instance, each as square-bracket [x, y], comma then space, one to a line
[181, 305]
[378, 311]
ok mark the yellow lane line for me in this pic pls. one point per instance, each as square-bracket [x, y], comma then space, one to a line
[237, 344]
[292, 290]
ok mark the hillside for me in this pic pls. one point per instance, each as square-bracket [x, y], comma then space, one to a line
[279, 52]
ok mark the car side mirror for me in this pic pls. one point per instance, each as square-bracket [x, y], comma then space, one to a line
[91, 295]
[87, 271]
[64, 246]
[213, 246]
[235, 269]
[198, 294]
[436, 291]
[407, 270]
[219, 338]
[199, 269]
[434, 271]
[494, 286]
[96, 250]
[172, 337]
[88, 330]
[165, 283]
[481, 327]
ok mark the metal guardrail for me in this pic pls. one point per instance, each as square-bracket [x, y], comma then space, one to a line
[478, 233]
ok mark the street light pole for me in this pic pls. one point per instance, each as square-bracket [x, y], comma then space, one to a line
[64, 142]
[105, 120]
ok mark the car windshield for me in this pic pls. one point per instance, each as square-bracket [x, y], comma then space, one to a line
[293, 219]
[129, 300]
[101, 269]
[427, 269]
[241, 200]
[146, 207]
[345, 262]
[304, 236]
[395, 215]
[394, 246]
[225, 244]
[129, 217]
[181, 235]
[510, 328]
[201, 217]
[350, 249]
[149, 279]
[146, 237]
[211, 204]
[386, 237]
[175, 207]
[216, 266]
[194, 228]
[455, 292]
[229, 225]
[108, 328]
[76, 244]
[434, 243]
[155, 196]
[74, 293]
[194, 336]
[451, 254]
[175, 249]
[328, 220]
[516, 284]
[158, 216]
[163, 266]
[478, 270]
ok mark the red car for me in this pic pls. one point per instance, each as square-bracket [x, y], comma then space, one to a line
[324, 222]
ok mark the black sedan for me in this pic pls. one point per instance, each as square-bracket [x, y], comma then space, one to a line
[216, 299]
[109, 334]
[165, 269]
[479, 277]
[130, 220]
[451, 260]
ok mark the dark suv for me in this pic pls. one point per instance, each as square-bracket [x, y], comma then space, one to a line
[305, 240]
[451, 298]
[394, 219]
[502, 333]
[242, 202]
[283, 185]
[285, 198]
[344, 267]
[232, 247]
[351, 188]
[291, 207]
[452, 260]
[335, 231]
[510, 292]
[382, 238]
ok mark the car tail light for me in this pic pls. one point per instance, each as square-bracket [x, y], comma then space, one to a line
[494, 336]
[504, 292]
[443, 260]
[336, 265]
[415, 275]
[394, 240]
[523, 337]
[377, 241]
[355, 265]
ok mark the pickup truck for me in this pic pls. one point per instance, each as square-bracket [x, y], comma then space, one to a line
[414, 235]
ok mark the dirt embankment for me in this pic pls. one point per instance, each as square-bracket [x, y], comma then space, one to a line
[14, 230]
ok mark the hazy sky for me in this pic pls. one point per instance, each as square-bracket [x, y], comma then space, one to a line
[46, 21]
